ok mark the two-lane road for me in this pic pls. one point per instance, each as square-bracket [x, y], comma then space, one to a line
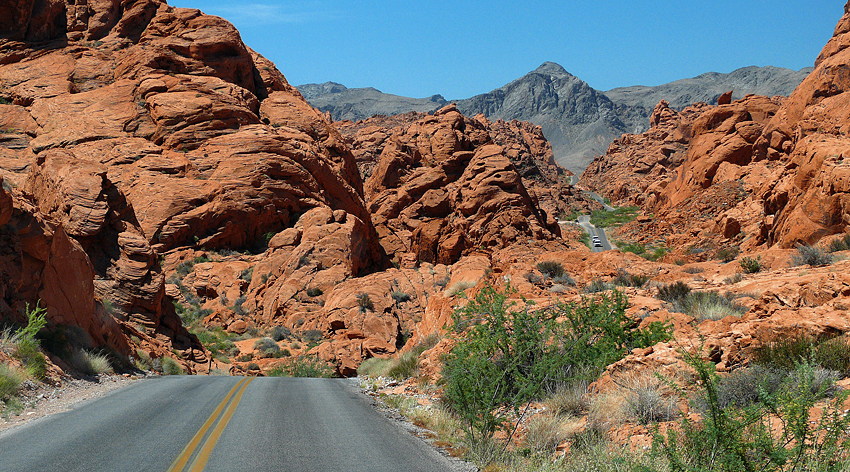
[193, 423]
[584, 222]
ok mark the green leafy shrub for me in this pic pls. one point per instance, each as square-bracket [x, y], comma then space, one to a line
[786, 353]
[728, 254]
[551, 269]
[747, 439]
[809, 255]
[171, 367]
[750, 265]
[302, 366]
[510, 355]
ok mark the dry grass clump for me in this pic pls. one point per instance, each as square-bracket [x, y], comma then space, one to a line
[649, 399]
[569, 399]
[458, 287]
[90, 363]
[545, 432]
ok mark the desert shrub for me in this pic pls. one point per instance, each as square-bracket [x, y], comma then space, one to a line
[143, 360]
[279, 333]
[748, 439]
[733, 279]
[302, 366]
[459, 287]
[710, 306]
[399, 297]
[569, 399]
[509, 355]
[841, 244]
[303, 261]
[745, 386]
[375, 367]
[171, 367]
[10, 381]
[673, 293]
[406, 366]
[364, 302]
[693, 270]
[314, 292]
[237, 305]
[626, 279]
[90, 362]
[810, 255]
[728, 254]
[786, 353]
[564, 279]
[285, 353]
[312, 336]
[252, 366]
[620, 216]
[634, 248]
[267, 346]
[657, 254]
[750, 265]
[551, 269]
[596, 286]
[247, 274]
[28, 352]
[544, 433]
[533, 278]
[647, 401]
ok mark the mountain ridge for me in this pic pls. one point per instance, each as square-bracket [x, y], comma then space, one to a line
[577, 119]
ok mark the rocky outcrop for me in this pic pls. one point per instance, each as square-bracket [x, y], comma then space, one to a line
[441, 186]
[136, 129]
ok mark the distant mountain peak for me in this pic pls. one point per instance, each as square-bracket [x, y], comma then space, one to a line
[551, 68]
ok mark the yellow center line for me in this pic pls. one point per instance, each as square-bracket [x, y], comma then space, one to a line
[187, 452]
[204, 454]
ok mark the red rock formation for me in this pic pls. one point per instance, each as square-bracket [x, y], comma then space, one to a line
[757, 171]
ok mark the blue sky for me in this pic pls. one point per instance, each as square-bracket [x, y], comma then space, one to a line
[460, 49]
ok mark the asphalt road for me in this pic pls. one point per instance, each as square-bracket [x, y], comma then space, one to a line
[195, 423]
[584, 222]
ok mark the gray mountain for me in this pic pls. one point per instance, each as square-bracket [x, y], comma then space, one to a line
[578, 120]
[360, 103]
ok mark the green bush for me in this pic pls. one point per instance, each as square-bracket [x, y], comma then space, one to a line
[808, 255]
[750, 265]
[728, 254]
[509, 355]
[747, 439]
[171, 367]
[674, 293]
[314, 292]
[551, 269]
[786, 353]
[618, 217]
[303, 366]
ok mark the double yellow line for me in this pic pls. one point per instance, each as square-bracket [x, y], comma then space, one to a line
[220, 420]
